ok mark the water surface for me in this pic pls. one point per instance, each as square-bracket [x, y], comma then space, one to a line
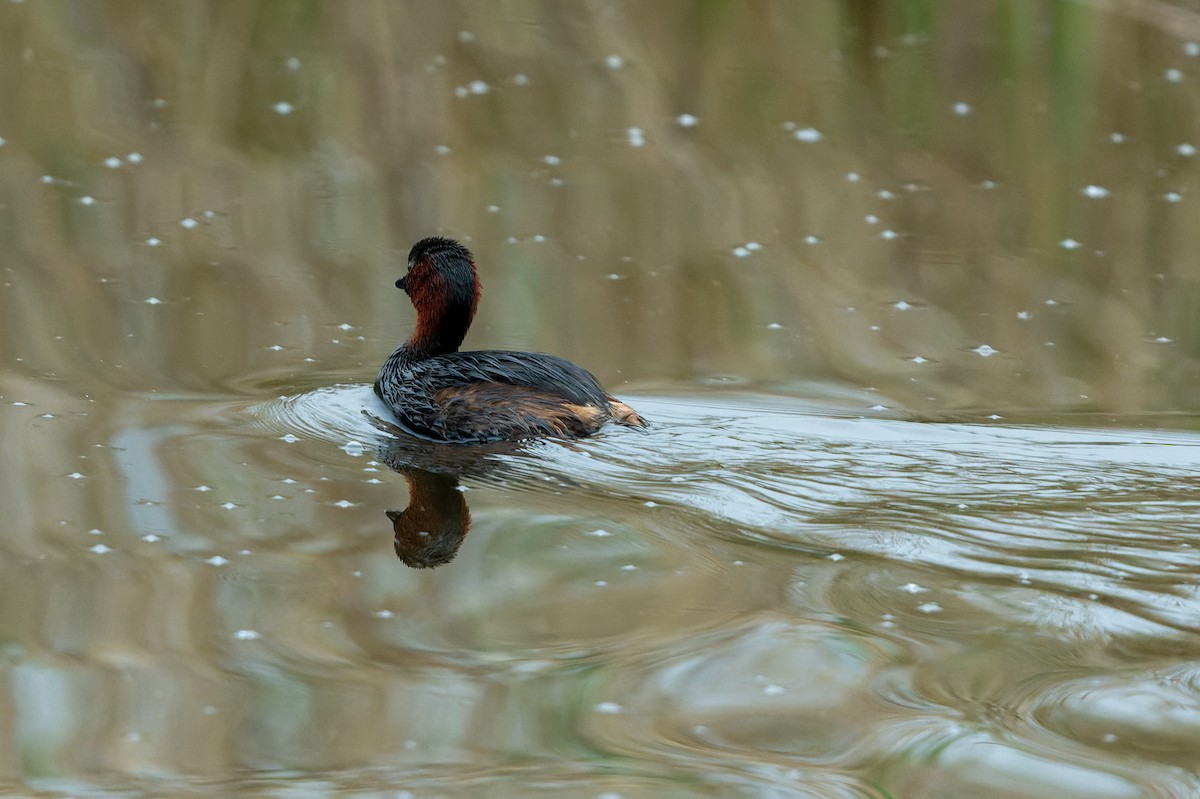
[907, 291]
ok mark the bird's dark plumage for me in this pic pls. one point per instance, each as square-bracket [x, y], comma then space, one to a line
[439, 393]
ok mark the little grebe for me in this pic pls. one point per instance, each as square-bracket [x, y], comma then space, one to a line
[437, 392]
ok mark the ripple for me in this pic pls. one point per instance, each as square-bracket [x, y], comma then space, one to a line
[335, 413]
[1099, 517]
[1092, 515]
[1156, 714]
[979, 765]
[802, 690]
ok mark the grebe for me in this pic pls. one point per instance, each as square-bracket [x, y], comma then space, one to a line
[439, 393]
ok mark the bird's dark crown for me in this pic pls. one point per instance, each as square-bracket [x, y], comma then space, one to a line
[439, 251]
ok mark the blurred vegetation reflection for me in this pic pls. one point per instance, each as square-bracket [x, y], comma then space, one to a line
[985, 206]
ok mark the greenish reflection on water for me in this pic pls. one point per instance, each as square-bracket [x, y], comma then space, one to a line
[786, 232]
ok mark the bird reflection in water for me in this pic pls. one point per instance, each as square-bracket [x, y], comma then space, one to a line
[430, 530]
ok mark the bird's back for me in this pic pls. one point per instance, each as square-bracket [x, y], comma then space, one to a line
[495, 395]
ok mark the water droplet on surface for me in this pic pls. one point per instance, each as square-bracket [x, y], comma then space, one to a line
[984, 350]
[100, 549]
[913, 588]
[853, 177]
[217, 560]
[150, 538]
[385, 614]
[188, 223]
[478, 87]
[807, 135]
[1069, 244]
[355, 448]
[740, 252]
[134, 158]
[600, 533]
[112, 162]
[686, 121]
[520, 80]
[917, 359]
[901, 305]
[289, 438]
[614, 62]
[1173, 197]
[608, 707]
[283, 108]
[344, 503]
[961, 109]
[637, 137]
[1187, 150]
[87, 199]
[247, 635]
[930, 607]
[75, 476]
[154, 242]
[229, 505]
[1173, 75]
[888, 234]
[1095, 192]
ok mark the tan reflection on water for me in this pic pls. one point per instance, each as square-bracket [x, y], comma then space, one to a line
[854, 212]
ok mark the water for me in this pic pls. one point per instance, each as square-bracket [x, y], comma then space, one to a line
[906, 291]
[753, 595]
